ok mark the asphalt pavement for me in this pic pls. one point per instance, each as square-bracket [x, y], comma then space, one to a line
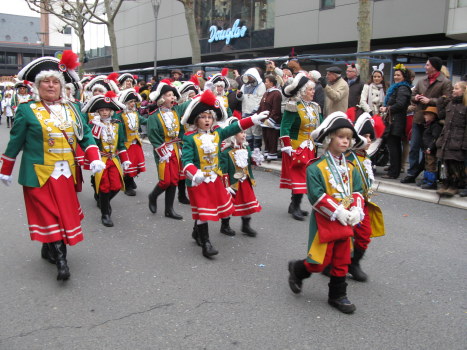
[144, 284]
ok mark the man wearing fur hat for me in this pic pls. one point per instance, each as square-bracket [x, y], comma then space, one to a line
[301, 117]
[250, 94]
[165, 133]
[47, 130]
[426, 93]
[336, 90]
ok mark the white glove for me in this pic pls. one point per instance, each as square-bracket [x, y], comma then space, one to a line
[6, 179]
[257, 157]
[231, 191]
[288, 149]
[258, 118]
[208, 85]
[97, 166]
[126, 164]
[166, 157]
[198, 178]
[342, 215]
[356, 216]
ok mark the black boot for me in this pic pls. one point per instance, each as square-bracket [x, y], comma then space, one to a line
[246, 228]
[133, 183]
[93, 185]
[297, 273]
[59, 249]
[47, 253]
[153, 198]
[295, 210]
[291, 207]
[182, 198]
[169, 204]
[195, 233]
[129, 191]
[104, 199]
[203, 233]
[338, 295]
[354, 268]
[225, 227]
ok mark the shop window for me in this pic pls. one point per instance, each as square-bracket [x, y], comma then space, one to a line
[327, 4]
[264, 14]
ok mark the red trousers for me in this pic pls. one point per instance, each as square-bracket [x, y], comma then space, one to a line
[171, 172]
[362, 232]
[338, 255]
[111, 179]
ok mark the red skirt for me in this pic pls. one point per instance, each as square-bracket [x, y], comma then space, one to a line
[79, 155]
[136, 156]
[210, 201]
[244, 201]
[293, 173]
[54, 212]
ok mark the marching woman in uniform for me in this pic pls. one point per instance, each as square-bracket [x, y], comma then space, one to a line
[164, 133]
[219, 84]
[47, 130]
[110, 137]
[301, 117]
[131, 120]
[209, 199]
[235, 160]
[126, 81]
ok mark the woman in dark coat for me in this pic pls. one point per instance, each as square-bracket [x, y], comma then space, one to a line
[395, 106]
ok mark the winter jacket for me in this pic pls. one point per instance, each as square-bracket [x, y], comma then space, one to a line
[355, 91]
[372, 98]
[430, 135]
[398, 103]
[252, 93]
[337, 97]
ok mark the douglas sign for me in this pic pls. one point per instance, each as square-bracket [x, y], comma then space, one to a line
[227, 34]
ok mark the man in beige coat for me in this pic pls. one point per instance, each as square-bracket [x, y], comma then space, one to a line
[336, 91]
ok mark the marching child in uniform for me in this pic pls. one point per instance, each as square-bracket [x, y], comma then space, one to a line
[131, 120]
[209, 199]
[372, 224]
[110, 137]
[334, 191]
[235, 161]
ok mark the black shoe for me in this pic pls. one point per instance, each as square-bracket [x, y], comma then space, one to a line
[207, 248]
[408, 179]
[295, 283]
[427, 186]
[182, 198]
[246, 228]
[153, 198]
[47, 254]
[59, 249]
[130, 192]
[290, 210]
[107, 221]
[195, 234]
[342, 304]
[463, 193]
[169, 202]
[225, 227]
[357, 273]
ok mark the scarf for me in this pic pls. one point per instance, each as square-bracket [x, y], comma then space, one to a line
[393, 89]
[433, 77]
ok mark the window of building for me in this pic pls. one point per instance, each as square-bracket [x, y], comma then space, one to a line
[67, 45]
[67, 30]
[264, 14]
[327, 4]
[2, 58]
[27, 59]
[462, 3]
[11, 58]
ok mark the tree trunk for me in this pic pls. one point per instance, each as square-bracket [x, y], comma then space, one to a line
[194, 39]
[364, 26]
[113, 45]
[82, 48]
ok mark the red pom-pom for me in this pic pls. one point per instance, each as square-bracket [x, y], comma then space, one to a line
[136, 88]
[194, 80]
[135, 77]
[69, 59]
[378, 126]
[208, 98]
[224, 72]
[110, 94]
[26, 82]
[113, 76]
[167, 81]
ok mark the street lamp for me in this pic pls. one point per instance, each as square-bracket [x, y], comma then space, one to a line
[155, 7]
[41, 37]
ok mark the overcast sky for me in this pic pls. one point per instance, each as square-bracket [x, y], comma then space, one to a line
[17, 7]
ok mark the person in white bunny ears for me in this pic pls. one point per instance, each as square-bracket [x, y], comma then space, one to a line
[374, 92]
[235, 160]
[209, 199]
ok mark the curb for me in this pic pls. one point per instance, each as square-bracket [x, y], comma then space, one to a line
[395, 188]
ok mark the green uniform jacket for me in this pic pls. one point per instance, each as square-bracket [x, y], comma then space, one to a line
[228, 166]
[27, 135]
[191, 155]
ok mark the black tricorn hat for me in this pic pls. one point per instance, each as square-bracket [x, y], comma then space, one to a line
[128, 95]
[298, 82]
[201, 103]
[125, 76]
[163, 87]
[109, 100]
[333, 122]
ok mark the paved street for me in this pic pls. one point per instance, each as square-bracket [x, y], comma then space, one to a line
[145, 285]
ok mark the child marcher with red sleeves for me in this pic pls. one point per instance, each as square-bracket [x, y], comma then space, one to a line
[110, 137]
[334, 190]
[209, 199]
[235, 160]
[372, 224]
